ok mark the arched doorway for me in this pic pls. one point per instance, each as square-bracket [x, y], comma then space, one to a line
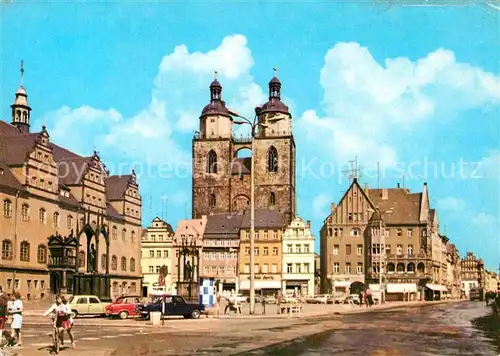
[357, 287]
[55, 283]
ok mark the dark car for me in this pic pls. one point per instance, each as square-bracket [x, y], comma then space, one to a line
[174, 306]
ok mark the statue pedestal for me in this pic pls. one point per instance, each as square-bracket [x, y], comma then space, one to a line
[92, 284]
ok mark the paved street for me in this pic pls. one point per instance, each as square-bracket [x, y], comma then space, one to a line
[402, 329]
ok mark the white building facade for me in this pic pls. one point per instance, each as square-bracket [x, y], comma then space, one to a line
[156, 252]
[298, 258]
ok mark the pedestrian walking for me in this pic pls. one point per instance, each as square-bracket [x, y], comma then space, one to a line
[360, 298]
[17, 318]
[4, 302]
[217, 303]
[279, 299]
[263, 301]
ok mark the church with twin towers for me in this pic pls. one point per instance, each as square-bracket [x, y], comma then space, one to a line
[221, 172]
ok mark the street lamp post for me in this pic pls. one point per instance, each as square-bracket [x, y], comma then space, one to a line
[253, 124]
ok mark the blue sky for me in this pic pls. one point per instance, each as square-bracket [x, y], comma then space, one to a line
[399, 85]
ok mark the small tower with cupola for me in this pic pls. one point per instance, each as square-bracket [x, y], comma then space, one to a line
[20, 108]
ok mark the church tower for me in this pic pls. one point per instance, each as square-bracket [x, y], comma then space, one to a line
[221, 178]
[211, 155]
[21, 109]
[275, 154]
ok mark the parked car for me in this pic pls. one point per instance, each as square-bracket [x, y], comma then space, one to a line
[87, 305]
[238, 298]
[352, 299]
[174, 306]
[123, 307]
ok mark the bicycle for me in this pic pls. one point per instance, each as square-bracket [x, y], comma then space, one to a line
[56, 336]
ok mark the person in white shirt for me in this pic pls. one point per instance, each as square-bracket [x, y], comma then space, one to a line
[61, 316]
[17, 318]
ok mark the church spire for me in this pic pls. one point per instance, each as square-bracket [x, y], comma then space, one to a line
[275, 86]
[20, 108]
[215, 89]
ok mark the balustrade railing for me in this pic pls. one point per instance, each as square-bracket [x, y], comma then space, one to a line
[69, 261]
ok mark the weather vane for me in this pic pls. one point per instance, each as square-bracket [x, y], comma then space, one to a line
[22, 71]
[216, 74]
[275, 69]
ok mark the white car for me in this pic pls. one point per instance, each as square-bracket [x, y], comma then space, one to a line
[237, 298]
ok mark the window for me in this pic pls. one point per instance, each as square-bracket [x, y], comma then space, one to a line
[359, 268]
[274, 268]
[330, 231]
[211, 200]
[7, 208]
[400, 232]
[275, 235]
[114, 263]
[124, 234]
[355, 232]
[272, 199]
[133, 287]
[297, 268]
[165, 253]
[289, 248]
[335, 250]
[132, 236]
[298, 248]
[349, 216]
[157, 269]
[55, 220]
[387, 249]
[212, 162]
[25, 212]
[272, 160]
[247, 251]
[289, 268]
[265, 251]
[247, 268]
[25, 251]
[124, 264]
[265, 268]
[409, 232]
[158, 253]
[81, 259]
[114, 233]
[359, 250]
[93, 300]
[275, 251]
[6, 250]
[42, 254]
[410, 250]
[132, 265]
[347, 250]
[399, 249]
[306, 267]
[376, 249]
[306, 248]
[42, 216]
[336, 268]
[69, 222]
[256, 251]
[104, 261]
[347, 268]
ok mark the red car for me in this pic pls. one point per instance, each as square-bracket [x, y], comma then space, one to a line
[123, 307]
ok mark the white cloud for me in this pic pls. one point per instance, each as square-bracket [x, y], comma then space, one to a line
[451, 204]
[180, 91]
[367, 104]
[490, 166]
[320, 205]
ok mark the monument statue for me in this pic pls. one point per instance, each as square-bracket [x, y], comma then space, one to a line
[187, 271]
[92, 259]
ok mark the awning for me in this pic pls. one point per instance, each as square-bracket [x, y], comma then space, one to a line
[401, 288]
[437, 287]
[245, 285]
[341, 284]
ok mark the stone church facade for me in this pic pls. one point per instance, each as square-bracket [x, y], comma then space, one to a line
[221, 179]
[67, 226]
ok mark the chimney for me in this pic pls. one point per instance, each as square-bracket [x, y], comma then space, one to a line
[333, 207]
[308, 224]
[399, 186]
[385, 194]
[366, 188]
